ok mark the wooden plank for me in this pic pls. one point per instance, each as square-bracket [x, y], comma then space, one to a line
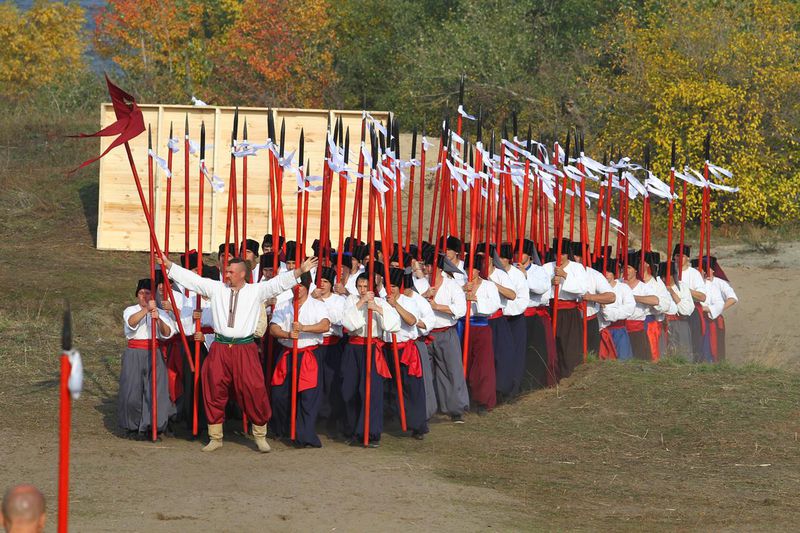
[121, 224]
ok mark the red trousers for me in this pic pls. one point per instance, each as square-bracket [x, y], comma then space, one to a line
[235, 368]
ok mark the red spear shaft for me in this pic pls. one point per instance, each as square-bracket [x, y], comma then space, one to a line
[298, 257]
[421, 209]
[342, 205]
[670, 215]
[607, 222]
[683, 227]
[473, 219]
[65, 421]
[242, 243]
[410, 213]
[186, 196]
[198, 325]
[436, 182]
[560, 225]
[355, 229]
[371, 288]
[231, 190]
[153, 288]
[524, 210]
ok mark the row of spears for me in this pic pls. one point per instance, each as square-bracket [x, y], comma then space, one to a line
[508, 190]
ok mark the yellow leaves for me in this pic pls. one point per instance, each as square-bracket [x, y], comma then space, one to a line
[692, 68]
[39, 47]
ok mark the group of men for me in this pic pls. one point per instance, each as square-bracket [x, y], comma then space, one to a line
[296, 340]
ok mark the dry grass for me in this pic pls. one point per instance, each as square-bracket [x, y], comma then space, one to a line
[637, 447]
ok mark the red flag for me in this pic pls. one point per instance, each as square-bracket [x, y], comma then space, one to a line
[129, 124]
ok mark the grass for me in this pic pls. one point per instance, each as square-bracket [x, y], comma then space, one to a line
[637, 446]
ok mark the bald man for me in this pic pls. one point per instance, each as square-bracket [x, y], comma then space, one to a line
[23, 510]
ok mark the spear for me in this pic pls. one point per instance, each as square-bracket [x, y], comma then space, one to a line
[279, 195]
[437, 175]
[355, 228]
[706, 206]
[342, 205]
[444, 204]
[399, 198]
[560, 225]
[244, 196]
[153, 321]
[198, 325]
[169, 194]
[609, 192]
[670, 209]
[276, 205]
[521, 226]
[186, 194]
[65, 416]
[584, 232]
[299, 244]
[421, 209]
[410, 212]
[462, 233]
[473, 222]
[645, 214]
[371, 286]
[231, 189]
[683, 224]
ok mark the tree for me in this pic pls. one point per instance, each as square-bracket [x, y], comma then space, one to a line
[730, 68]
[39, 47]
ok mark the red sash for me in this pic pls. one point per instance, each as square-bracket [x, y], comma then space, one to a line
[672, 318]
[634, 325]
[567, 304]
[439, 330]
[653, 335]
[540, 310]
[380, 361]
[308, 369]
[410, 357]
[207, 330]
[714, 327]
[607, 348]
[141, 344]
[330, 339]
[702, 314]
[496, 314]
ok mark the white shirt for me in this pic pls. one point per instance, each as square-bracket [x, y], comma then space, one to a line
[141, 331]
[421, 284]
[458, 277]
[519, 282]
[426, 314]
[355, 320]
[311, 312]
[186, 306]
[715, 300]
[660, 291]
[451, 295]
[248, 300]
[725, 288]
[692, 277]
[335, 305]
[501, 278]
[350, 286]
[406, 332]
[574, 285]
[597, 284]
[487, 299]
[538, 286]
[641, 311]
[685, 306]
[622, 307]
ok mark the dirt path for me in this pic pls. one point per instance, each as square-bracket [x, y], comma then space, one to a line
[171, 486]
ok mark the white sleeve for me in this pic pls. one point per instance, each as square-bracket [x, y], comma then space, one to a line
[352, 318]
[663, 297]
[576, 281]
[538, 280]
[727, 290]
[282, 314]
[169, 321]
[686, 304]
[126, 315]
[336, 311]
[488, 300]
[390, 320]
[458, 302]
[273, 287]
[628, 304]
[425, 315]
[192, 281]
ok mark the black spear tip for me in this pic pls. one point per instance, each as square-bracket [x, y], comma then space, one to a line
[66, 329]
[235, 125]
[244, 131]
[202, 140]
[583, 139]
[302, 146]
[505, 130]
[308, 167]
[461, 90]
[414, 143]
[186, 124]
[347, 145]
[566, 149]
[647, 156]
[396, 135]
[707, 146]
[491, 147]
[373, 140]
[149, 138]
[283, 136]
[466, 153]
[170, 129]
[270, 125]
[514, 122]
[672, 158]
[471, 157]
[605, 159]
[382, 141]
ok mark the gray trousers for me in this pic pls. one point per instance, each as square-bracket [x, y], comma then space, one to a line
[680, 339]
[448, 372]
[427, 378]
[134, 406]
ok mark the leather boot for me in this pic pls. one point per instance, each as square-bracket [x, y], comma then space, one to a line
[215, 438]
[260, 436]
